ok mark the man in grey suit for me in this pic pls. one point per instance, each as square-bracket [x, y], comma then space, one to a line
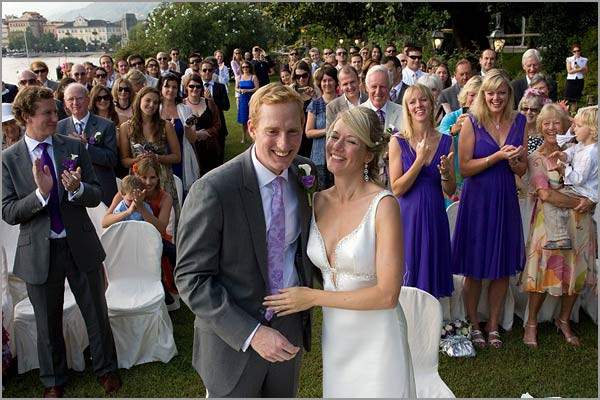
[47, 183]
[531, 62]
[378, 82]
[462, 73]
[97, 134]
[243, 234]
[392, 63]
[351, 95]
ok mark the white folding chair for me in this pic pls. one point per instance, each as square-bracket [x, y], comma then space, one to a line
[7, 302]
[9, 234]
[452, 212]
[423, 314]
[96, 214]
[453, 307]
[141, 326]
[74, 331]
[179, 189]
[119, 180]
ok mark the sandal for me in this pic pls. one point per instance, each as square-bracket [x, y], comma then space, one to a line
[558, 245]
[494, 339]
[573, 339]
[530, 342]
[477, 338]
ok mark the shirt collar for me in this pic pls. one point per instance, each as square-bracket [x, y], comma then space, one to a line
[210, 83]
[32, 143]
[384, 108]
[84, 120]
[263, 175]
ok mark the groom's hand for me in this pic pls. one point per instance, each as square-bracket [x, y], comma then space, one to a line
[272, 345]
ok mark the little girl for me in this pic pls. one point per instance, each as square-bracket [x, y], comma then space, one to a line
[579, 166]
[128, 185]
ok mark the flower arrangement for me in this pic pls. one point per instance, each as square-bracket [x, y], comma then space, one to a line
[308, 181]
[456, 328]
[71, 162]
[95, 139]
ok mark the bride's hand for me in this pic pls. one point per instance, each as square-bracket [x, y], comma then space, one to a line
[290, 300]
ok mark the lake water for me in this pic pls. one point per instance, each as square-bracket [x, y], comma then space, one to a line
[11, 66]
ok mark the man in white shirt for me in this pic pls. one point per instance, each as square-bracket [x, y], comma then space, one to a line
[378, 82]
[108, 64]
[222, 70]
[412, 72]
[315, 56]
[163, 63]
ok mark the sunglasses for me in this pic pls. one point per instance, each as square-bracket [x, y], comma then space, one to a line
[577, 51]
[174, 54]
[434, 66]
[135, 64]
[194, 61]
[328, 53]
[390, 51]
[192, 87]
[245, 66]
[301, 76]
[40, 71]
[106, 97]
[415, 57]
[27, 81]
[293, 54]
[207, 70]
[162, 58]
[527, 109]
[342, 53]
[152, 65]
[124, 89]
[100, 75]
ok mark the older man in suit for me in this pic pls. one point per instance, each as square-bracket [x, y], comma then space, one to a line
[462, 74]
[47, 183]
[97, 134]
[243, 235]
[217, 92]
[531, 62]
[378, 82]
[351, 95]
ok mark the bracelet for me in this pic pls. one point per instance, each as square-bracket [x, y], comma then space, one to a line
[74, 192]
[487, 161]
[445, 179]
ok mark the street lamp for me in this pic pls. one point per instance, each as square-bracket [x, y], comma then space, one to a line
[341, 41]
[437, 39]
[497, 38]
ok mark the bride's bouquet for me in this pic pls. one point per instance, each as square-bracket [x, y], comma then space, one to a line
[456, 339]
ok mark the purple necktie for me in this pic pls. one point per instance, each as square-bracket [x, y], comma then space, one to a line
[276, 241]
[56, 223]
[381, 116]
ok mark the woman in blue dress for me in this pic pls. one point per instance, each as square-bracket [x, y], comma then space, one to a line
[421, 168]
[245, 85]
[326, 79]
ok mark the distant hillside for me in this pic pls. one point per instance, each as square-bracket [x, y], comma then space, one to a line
[105, 11]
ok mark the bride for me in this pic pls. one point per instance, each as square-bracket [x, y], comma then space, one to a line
[356, 241]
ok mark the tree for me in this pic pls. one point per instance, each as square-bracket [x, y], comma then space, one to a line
[73, 44]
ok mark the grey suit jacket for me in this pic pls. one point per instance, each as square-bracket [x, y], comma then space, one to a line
[21, 206]
[51, 85]
[104, 155]
[221, 270]
[520, 86]
[338, 105]
[450, 96]
[393, 115]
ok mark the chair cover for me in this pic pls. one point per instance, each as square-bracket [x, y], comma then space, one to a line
[74, 331]
[141, 326]
[96, 214]
[119, 180]
[179, 188]
[424, 320]
[452, 211]
[7, 302]
[453, 307]
[9, 235]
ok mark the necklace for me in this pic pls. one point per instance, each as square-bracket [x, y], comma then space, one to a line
[191, 102]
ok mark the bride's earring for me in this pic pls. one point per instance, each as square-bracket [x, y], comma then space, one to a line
[366, 172]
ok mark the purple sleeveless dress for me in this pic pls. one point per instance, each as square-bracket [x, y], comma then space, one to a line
[488, 237]
[425, 225]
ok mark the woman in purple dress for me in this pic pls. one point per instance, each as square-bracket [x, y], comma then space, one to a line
[421, 166]
[488, 238]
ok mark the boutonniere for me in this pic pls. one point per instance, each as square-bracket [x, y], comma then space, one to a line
[71, 162]
[391, 130]
[308, 181]
[95, 139]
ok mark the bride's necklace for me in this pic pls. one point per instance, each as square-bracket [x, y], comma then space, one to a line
[191, 102]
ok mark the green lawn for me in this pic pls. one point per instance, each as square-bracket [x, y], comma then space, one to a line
[554, 369]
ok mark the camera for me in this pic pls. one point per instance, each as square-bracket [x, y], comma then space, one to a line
[191, 120]
[300, 89]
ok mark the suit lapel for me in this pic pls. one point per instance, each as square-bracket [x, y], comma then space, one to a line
[252, 203]
[60, 155]
[304, 215]
[90, 127]
[25, 172]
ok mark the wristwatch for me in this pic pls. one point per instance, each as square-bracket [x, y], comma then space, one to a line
[74, 192]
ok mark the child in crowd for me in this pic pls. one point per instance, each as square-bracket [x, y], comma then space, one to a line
[578, 165]
[128, 185]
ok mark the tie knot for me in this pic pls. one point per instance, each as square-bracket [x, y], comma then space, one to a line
[206, 84]
[277, 182]
[43, 146]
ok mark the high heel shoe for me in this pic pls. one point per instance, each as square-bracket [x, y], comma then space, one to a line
[529, 342]
[573, 339]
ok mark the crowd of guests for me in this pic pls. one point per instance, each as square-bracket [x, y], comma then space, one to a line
[472, 136]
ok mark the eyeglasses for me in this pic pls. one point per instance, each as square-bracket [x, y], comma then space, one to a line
[576, 51]
[40, 71]
[79, 74]
[415, 57]
[27, 82]
[255, 49]
[135, 64]
[162, 58]
[194, 61]
[390, 51]
[100, 75]
[192, 87]
[75, 99]
[106, 97]
[124, 89]
[207, 70]
[342, 53]
[174, 54]
[328, 53]
[403, 60]
[301, 76]
[527, 109]
[293, 54]
[245, 66]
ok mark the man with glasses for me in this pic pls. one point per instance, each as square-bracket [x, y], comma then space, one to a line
[217, 92]
[79, 73]
[341, 56]
[163, 64]
[40, 68]
[293, 59]
[27, 78]
[398, 86]
[262, 64]
[531, 62]
[97, 134]
[137, 61]
[412, 72]
[194, 65]
[351, 97]
[329, 56]
[9, 92]
[108, 64]
[462, 74]
[315, 57]
[181, 65]
[390, 50]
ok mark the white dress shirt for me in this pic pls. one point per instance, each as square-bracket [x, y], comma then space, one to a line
[410, 77]
[581, 62]
[582, 173]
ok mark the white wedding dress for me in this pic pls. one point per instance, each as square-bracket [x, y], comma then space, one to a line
[365, 353]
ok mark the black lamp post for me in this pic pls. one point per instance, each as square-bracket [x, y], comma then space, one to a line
[437, 40]
[497, 38]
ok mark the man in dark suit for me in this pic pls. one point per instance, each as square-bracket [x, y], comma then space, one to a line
[40, 69]
[351, 95]
[462, 74]
[9, 92]
[97, 134]
[217, 92]
[47, 183]
[175, 57]
[398, 86]
[262, 64]
[531, 62]
[240, 350]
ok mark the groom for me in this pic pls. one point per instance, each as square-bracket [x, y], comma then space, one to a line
[243, 233]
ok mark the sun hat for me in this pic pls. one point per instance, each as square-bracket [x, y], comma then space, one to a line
[7, 114]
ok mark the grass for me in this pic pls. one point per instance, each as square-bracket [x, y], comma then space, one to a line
[554, 369]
